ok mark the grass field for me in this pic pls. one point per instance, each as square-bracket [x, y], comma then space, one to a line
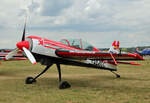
[88, 85]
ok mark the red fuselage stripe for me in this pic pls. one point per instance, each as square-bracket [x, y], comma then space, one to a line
[52, 43]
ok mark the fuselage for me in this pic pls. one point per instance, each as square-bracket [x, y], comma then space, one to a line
[48, 51]
[44, 51]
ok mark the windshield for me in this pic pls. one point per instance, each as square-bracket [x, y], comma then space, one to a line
[77, 43]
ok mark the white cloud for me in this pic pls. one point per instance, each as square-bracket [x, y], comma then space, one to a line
[99, 20]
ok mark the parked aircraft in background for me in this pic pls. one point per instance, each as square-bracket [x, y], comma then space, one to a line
[144, 52]
[5, 50]
[18, 56]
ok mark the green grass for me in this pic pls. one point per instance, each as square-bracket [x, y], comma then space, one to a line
[88, 85]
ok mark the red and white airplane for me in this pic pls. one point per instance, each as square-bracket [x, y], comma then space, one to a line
[69, 52]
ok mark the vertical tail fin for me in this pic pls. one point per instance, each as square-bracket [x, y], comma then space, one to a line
[115, 47]
[114, 43]
[137, 51]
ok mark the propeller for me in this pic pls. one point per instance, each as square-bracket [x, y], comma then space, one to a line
[29, 55]
[24, 46]
[24, 32]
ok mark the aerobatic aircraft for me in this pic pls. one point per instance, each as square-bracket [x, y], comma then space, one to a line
[69, 52]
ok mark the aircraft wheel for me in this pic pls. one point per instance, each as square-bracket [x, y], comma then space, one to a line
[118, 76]
[64, 85]
[30, 80]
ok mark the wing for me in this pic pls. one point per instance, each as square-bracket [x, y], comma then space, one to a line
[79, 54]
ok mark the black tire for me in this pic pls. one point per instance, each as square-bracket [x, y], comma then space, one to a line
[118, 76]
[30, 80]
[64, 85]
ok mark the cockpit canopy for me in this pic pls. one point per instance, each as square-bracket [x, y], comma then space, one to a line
[77, 43]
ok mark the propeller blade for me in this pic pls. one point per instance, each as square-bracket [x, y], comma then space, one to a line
[29, 55]
[24, 30]
[11, 54]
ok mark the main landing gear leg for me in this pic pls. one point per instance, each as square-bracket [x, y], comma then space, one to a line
[62, 84]
[117, 75]
[30, 80]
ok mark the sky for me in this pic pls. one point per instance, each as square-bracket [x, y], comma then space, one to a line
[99, 22]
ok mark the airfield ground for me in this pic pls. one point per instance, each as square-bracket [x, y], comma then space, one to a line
[88, 85]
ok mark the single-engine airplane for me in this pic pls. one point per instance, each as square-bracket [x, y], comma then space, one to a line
[69, 52]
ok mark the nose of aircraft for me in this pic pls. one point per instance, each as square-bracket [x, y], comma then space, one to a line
[22, 44]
